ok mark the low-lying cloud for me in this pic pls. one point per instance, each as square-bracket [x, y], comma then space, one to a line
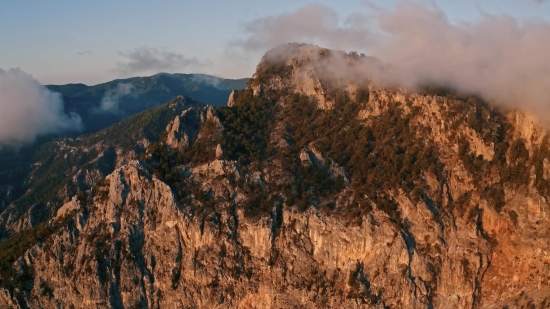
[496, 56]
[315, 24]
[28, 110]
[210, 80]
[146, 59]
[111, 99]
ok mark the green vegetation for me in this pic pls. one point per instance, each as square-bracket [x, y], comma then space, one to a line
[270, 68]
[246, 140]
[384, 156]
[17, 245]
[57, 165]
[511, 163]
[247, 126]
[53, 174]
[149, 124]
[61, 159]
[147, 92]
[14, 165]
[381, 157]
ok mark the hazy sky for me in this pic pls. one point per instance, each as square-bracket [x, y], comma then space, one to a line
[72, 41]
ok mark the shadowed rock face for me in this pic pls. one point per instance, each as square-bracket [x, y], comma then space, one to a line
[5, 196]
[466, 229]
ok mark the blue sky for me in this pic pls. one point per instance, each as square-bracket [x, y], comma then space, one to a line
[75, 41]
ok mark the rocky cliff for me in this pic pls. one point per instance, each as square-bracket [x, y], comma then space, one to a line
[66, 167]
[311, 190]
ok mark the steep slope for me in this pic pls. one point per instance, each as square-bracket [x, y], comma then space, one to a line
[314, 188]
[63, 167]
[120, 99]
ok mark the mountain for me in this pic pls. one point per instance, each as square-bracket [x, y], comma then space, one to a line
[315, 187]
[66, 166]
[105, 104]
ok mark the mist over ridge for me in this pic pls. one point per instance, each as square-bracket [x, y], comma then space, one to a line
[497, 57]
[28, 110]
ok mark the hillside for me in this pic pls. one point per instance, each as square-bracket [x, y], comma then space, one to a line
[125, 97]
[133, 95]
[316, 187]
[66, 166]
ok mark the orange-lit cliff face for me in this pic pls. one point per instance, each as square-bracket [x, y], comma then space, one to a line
[316, 188]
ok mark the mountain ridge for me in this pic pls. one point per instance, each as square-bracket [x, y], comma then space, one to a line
[309, 190]
[140, 93]
[149, 76]
[102, 105]
[83, 160]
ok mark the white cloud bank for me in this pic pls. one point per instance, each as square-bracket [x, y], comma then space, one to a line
[110, 101]
[28, 110]
[147, 59]
[497, 57]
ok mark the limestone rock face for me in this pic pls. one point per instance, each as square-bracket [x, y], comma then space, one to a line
[70, 165]
[68, 208]
[231, 100]
[138, 232]
[221, 232]
[133, 245]
[183, 129]
[219, 151]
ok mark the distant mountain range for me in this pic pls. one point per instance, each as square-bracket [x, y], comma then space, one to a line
[105, 104]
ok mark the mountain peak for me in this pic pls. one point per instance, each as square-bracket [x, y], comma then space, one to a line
[314, 71]
[316, 187]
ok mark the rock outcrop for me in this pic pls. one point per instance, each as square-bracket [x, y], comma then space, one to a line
[183, 129]
[406, 200]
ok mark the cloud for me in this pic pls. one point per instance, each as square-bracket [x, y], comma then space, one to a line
[146, 59]
[315, 24]
[28, 110]
[110, 101]
[497, 57]
[84, 53]
[208, 80]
